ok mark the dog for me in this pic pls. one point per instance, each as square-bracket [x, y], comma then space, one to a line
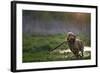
[75, 45]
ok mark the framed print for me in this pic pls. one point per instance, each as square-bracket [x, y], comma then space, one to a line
[47, 36]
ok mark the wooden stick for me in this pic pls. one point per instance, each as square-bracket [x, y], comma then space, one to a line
[58, 45]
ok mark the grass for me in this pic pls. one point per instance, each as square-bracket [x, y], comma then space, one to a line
[36, 48]
[46, 56]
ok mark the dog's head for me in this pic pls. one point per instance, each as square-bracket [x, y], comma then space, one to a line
[71, 37]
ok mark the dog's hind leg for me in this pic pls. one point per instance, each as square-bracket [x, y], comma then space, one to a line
[82, 51]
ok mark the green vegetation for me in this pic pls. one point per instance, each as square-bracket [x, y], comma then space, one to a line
[36, 48]
[86, 39]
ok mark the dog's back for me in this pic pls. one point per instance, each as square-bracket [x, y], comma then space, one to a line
[79, 44]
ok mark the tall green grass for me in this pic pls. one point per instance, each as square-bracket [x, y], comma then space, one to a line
[42, 43]
[36, 48]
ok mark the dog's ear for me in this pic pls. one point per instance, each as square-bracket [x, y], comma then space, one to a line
[68, 37]
[74, 36]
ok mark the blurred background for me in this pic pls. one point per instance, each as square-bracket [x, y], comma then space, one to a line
[47, 22]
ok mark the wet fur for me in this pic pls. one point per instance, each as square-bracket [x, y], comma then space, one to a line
[75, 45]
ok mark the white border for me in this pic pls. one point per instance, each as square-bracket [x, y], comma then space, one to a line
[37, 65]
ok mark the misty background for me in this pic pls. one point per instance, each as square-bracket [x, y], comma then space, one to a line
[48, 22]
